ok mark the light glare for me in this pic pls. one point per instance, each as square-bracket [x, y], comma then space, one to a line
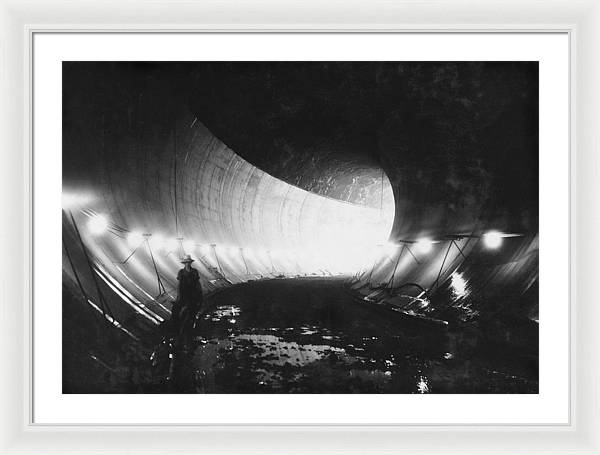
[458, 285]
[171, 245]
[424, 246]
[98, 224]
[390, 248]
[70, 200]
[188, 246]
[492, 239]
[135, 238]
[157, 241]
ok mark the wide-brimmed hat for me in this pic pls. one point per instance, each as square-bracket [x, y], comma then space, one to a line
[186, 259]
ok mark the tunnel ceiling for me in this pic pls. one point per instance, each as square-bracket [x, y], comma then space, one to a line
[447, 134]
[453, 129]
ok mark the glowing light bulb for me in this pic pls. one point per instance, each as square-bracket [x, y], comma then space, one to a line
[135, 238]
[424, 246]
[98, 224]
[492, 239]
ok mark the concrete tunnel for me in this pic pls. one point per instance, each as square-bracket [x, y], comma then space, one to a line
[406, 229]
[198, 197]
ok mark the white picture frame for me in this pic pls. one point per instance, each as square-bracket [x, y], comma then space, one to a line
[21, 20]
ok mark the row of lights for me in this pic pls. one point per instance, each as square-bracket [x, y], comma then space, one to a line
[98, 224]
[491, 240]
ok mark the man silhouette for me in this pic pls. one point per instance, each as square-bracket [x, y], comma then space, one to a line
[189, 297]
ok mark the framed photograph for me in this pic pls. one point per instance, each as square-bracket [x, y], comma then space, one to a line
[296, 236]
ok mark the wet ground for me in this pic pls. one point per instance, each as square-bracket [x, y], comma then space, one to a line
[313, 335]
[302, 335]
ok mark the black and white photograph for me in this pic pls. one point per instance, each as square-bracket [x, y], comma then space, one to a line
[300, 227]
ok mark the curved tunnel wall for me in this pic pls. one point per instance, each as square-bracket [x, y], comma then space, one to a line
[194, 195]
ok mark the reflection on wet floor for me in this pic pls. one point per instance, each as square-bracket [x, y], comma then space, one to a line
[241, 348]
[282, 365]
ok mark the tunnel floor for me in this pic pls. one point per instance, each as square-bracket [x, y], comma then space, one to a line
[313, 335]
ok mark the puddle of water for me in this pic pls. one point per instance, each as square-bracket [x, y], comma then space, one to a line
[229, 356]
